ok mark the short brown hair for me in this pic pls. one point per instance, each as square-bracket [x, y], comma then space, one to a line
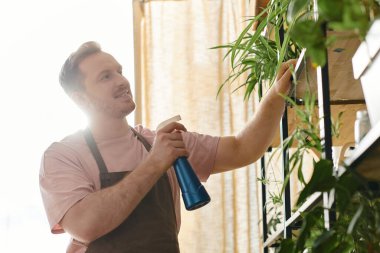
[70, 76]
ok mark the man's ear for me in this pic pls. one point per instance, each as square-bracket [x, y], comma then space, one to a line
[80, 98]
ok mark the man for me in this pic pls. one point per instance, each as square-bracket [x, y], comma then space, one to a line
[111, 186]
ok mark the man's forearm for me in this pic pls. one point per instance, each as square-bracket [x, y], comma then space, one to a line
[251, 143]
[102, 211]
[257, 136]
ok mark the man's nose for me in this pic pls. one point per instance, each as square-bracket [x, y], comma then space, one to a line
[122, 81]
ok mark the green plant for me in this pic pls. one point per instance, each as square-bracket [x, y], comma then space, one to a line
[353, 16]
[357, 226]
[255, 54]
[258, 54]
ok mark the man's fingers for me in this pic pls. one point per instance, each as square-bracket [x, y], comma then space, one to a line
[286, 76]
[175, 136]
[285, 66]
[178, 144]
[172, 127]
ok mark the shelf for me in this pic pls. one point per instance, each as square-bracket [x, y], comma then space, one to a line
[365, 159]
[344, 88]
[311, 202]
[347, 120]
[346, 94]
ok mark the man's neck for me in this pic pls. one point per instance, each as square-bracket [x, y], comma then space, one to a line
[109, 129]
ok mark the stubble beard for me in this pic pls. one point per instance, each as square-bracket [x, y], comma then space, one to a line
[112, 110]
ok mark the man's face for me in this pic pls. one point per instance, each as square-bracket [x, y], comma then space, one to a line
[107, 92]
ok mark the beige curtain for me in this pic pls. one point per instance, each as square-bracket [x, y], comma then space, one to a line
[177, 73]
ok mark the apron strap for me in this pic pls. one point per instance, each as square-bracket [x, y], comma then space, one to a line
[142, 139]
[96, 153]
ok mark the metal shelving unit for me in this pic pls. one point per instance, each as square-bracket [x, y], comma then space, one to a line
[291, 222]
[291, 219]
[365, 159]
[326, 101]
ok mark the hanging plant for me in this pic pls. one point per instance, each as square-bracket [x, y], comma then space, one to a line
[255, 54]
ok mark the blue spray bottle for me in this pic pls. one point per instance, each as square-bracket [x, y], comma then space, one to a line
[194, 195]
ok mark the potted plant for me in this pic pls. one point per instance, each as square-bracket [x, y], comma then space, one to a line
[259, 53]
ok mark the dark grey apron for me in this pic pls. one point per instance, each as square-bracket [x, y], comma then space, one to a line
[151, 227]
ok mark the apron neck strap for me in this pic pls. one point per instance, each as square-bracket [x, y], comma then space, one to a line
[95, 151]
[142, 139]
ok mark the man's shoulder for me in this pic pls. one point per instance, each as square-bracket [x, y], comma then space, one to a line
[72, 141]
[68, 151]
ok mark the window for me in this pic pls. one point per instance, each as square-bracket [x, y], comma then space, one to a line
[37, 36]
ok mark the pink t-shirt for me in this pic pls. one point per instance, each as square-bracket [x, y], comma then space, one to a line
[69, 171]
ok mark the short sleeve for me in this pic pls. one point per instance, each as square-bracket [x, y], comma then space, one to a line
[202, 149]
[63, 182]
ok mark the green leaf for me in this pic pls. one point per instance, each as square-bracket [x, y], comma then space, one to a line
[301, 178]
[317, 54]
[330, 10]
[238, 41]
[355, 219]
[345, 188]
[356, 16]
[326, 242]
[294, 9]
[310, 223]
[322, 180]
[286, 246]
[309, 35]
